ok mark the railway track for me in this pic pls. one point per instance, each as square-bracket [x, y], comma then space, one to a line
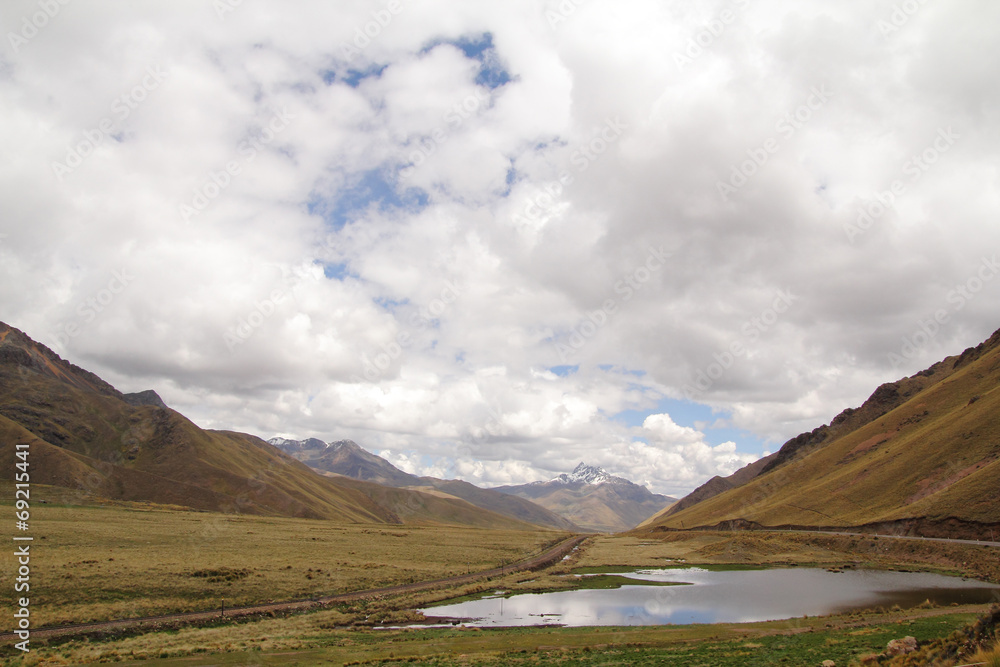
[546, 558]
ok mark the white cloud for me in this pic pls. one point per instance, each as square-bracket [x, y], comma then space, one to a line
[678, 457]
[468, 389]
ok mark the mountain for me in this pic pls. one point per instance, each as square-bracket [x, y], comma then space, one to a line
[148, 397]
[921, 454]
[592, 498]
[714, 487]
[87, 436]
[347, 458]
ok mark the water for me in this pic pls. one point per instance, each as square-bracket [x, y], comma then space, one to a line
[721, 597]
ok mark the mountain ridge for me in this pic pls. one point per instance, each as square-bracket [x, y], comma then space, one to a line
[351, 460]
[921, 451]
[102, 443]
[593, 499]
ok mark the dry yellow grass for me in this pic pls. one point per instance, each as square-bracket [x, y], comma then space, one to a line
[98, 563]
[936, 456]
[315, 637]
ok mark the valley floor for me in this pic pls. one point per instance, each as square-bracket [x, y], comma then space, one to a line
[114, 561]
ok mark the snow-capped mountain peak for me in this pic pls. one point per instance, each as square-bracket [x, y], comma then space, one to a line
[289, 446]
[585, 474]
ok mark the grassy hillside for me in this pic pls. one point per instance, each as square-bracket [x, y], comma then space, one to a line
[348, 459]
[85, 436]
[935, 456]
[417, 508]
[512, 506]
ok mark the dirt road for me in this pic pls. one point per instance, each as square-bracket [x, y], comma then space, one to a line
[545, 559]
[895, 537]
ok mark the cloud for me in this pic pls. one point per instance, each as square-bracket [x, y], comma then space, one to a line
[678, 457]
[476, 191]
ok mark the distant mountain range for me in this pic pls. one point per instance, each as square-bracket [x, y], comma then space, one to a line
[87, 437]
[347, 458]
[594, 499]
[921, 454]
[588, 499]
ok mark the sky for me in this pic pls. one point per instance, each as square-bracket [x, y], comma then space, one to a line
[491, 240]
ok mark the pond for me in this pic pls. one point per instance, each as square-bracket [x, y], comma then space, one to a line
[702, 596]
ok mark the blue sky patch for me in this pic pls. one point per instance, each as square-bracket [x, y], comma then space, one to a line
[388, 304]
[354, 77]
[334, 271]
[687, 413]
[564, 371]
[492, 73]
[361, 192]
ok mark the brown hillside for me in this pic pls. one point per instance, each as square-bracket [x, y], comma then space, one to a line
[415, 507]
[85, 435]
[926, 448]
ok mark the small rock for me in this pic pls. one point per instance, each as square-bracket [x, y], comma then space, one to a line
[829, 663]
[901, 646]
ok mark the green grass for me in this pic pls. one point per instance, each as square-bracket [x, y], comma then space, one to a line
[804, 648]
[793, 642]
[586, 582]
[612, 581]
[716, 567]
[603, 569]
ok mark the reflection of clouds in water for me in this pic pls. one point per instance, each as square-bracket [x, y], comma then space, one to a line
[722, 597]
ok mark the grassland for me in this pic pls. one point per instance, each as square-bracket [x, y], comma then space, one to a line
[316, 639]
[119, 560]
[171, 560]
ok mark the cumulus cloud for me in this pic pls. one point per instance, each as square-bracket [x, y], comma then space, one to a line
[433, 233]
[678, 456]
